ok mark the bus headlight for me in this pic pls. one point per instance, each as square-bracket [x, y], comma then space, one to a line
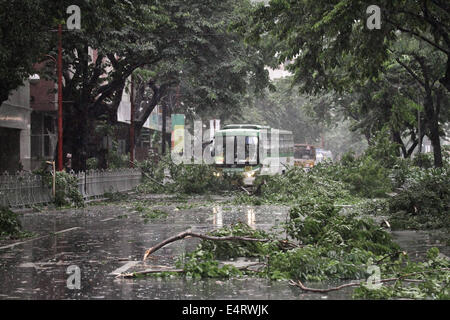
[217, 174]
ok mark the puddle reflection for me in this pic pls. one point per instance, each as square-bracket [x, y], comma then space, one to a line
[251, 218]
[217, 217]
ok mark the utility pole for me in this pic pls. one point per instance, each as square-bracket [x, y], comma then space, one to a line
[132, 124]
[60, 110]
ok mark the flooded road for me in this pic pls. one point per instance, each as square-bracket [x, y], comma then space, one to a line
[107, 239]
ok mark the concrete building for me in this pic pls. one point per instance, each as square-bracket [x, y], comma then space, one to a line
[43, 103]
[28, 126]
[15, 127]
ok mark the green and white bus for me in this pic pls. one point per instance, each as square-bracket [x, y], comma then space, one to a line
[252, 150]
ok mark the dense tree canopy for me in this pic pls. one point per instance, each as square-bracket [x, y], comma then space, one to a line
[170, 43]
[25, 33]
[285, 108]
[328, 47]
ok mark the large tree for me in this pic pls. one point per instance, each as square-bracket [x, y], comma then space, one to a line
[176, 42]
[331, 48]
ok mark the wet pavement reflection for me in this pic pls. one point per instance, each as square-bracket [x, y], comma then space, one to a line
[103, 239]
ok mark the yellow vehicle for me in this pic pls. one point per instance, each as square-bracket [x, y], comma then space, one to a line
[304, 155]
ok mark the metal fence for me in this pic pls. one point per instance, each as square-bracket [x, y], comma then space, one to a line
[23, 189]
[98, 182]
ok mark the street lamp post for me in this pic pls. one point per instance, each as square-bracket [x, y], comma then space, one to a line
[132, 124]
[60, 110]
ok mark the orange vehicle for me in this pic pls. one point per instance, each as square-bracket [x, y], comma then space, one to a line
[304, 155]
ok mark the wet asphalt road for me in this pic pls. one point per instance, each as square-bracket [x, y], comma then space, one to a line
[105, 239]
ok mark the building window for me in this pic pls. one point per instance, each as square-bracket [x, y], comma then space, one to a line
[43, 136]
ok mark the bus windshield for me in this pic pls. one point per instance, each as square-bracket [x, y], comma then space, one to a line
[243, 150]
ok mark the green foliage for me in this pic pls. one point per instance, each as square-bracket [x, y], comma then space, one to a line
[154, 214]
[10, 225]
[66, 187]
[383, 149]
[171, 44]
[24, 29]
[367, 177]
[335, 182]
[431, 280]
[233, 249]
[424, 202]
[423, 160]
[184, 178]
[321, 224]
[115, 159]
[343, 247]
[332, 246]
[201, 264]
[296, 185]
[363, 176]
[282, 108]
[381, 77]
[318, 263]
[148, 213]
[67, 192]
[92, 163]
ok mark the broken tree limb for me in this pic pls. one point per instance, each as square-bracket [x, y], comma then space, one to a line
[188, 234]
[161, 269]
[154, 180]
[248, 192]
[299, 284]
[149, 271]
[395, 254]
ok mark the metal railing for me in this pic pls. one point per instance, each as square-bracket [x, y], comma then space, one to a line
[24, 189]
[98, 182]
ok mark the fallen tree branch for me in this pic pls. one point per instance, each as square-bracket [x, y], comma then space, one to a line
[146, 175]
[248, 192]
[299, 284]
[395, 254]
[188, 234]
[168, 269]
[153, 179]
[149, 271]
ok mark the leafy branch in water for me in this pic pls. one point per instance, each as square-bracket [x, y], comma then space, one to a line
[149, 213]
[415, 280]
[10, 226]
[324, 244]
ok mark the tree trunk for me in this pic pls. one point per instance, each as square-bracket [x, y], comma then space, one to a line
[436, 143]
[433, 126]
[396, 138]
